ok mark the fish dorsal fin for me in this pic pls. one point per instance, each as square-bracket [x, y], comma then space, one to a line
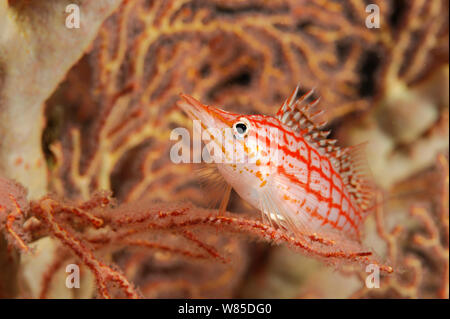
[350, 162]
[295, 113]
[356, 176]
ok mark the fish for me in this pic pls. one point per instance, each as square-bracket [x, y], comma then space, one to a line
[288, 168]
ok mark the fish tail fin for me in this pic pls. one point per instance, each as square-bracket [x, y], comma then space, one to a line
[357, 176]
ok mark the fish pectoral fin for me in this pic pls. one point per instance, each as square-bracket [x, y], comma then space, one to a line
[277, 213]
[211, 182]
[298, 223]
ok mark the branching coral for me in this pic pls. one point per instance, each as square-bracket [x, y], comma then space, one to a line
[409, 125]
[96, 228]
[33, 38]
[125, 226]
[421, 253]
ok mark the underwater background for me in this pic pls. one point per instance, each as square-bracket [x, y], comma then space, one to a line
[89, 109]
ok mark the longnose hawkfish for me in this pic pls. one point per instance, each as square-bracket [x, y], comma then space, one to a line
[288, 168]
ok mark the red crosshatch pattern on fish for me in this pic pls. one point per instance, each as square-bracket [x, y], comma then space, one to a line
[311, 186]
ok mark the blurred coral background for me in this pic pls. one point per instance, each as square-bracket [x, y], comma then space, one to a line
[91, 109]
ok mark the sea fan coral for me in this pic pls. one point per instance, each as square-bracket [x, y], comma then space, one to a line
[95, 229]
[87, 113]
[420, 252]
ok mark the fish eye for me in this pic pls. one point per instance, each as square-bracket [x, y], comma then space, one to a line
[241, 128]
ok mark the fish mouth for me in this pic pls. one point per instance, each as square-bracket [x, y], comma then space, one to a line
[209, 117]
[190, 106]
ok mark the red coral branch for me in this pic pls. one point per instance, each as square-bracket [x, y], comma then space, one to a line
[103, 273]
[13, 206]
[93, 228]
